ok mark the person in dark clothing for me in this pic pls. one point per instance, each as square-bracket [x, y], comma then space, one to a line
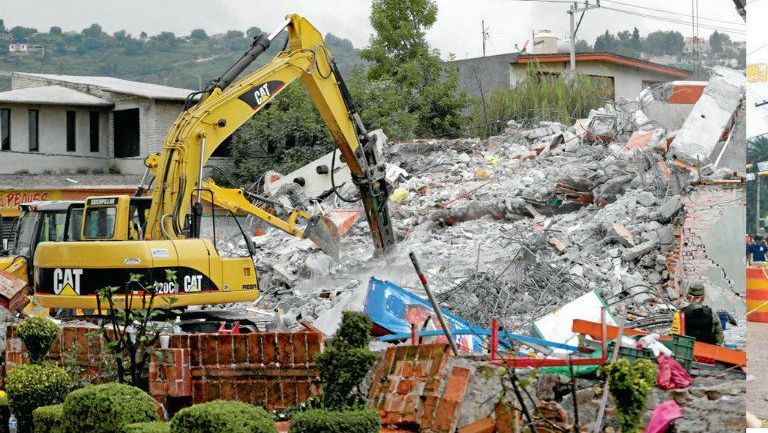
[756, 250]
[701, 322]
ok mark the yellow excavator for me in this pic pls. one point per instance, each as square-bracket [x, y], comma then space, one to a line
[122, 235]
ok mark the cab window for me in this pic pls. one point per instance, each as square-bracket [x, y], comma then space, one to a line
[75, 224]
[99, 223]
[52, 227]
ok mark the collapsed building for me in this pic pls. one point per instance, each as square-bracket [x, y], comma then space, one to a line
[527, 232]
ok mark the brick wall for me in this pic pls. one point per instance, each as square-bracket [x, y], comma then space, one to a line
[275, 370]
[710, 245]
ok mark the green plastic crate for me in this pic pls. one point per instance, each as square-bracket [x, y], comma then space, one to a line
[681, 347]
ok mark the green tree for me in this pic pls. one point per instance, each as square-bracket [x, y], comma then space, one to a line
[21, 34]
[235, 40]
[253, 32]
[399, 52]
[583, 46]
[606, 42]
[165, 41]
[2, 25]
[716, 42]
[635, 41]
[55, 31]
[198, 35]
[92, 37]
[663, 42]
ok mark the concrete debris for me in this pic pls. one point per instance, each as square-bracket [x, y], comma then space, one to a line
[517, 225]
[711, 117]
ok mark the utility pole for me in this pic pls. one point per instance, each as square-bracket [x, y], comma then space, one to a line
[757, 179]
[485, 34]
[575, 26]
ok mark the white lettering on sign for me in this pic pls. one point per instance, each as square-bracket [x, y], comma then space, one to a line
[166, 288]
[160, 253]
[261, 93]
[101, 201]
[193, 283]
[67, 281]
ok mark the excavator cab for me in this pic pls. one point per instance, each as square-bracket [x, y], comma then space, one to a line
[115, 218]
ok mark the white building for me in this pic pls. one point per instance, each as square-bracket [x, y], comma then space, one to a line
[71, 124]
[18, 48]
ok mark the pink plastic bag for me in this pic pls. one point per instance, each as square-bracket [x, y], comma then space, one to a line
[671, 374]
[662, 416]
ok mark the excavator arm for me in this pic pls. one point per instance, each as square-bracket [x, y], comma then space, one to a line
[227, 103]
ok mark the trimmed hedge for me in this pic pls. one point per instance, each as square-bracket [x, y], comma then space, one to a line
[106, 408]
[362, 420]
[30, 386]
[147, 427]
[38, 334]
[47, 419]
[223, 416]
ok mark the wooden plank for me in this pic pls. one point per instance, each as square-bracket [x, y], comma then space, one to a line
[700, 350]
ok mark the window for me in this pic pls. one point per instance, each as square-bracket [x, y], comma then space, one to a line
[52, 227]
[94, 131]
[34, 130]
[100, 223]
[126, 131]
[71, 131]
[5, 129]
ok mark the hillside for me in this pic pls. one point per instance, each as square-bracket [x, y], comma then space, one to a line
[184, 61]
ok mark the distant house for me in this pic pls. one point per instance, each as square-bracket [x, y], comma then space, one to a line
[694, 43]
[623, 76]
[69, 124]
[18, 49]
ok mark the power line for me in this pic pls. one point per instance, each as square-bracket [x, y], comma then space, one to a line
[676, 21]
[670, 12]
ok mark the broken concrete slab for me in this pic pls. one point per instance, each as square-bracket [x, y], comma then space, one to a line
[621, 235]
[645, 140]
[710, 118]
[670, 208]
[640, 250]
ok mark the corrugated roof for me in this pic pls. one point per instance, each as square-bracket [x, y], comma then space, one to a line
[51, 95]
[117, 85]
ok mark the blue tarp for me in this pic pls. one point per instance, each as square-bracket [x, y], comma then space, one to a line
[388, 305]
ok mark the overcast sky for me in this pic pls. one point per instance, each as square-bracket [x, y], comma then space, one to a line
[757, 39]
[458, 28]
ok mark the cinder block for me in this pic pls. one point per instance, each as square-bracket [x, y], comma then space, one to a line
[269, 349]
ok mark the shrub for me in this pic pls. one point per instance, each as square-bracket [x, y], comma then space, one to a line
[147, 427]
[30, 386]
[38, 334]
[362, 420]
[107, 408]
[5, 412]
[346, 361]
[631, 384]
[47, 419]
[223, 416]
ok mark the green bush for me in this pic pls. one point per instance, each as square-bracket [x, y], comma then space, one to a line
[107, 408]
[30, 386]
[47, 419]
[5, 412]
[147, 427]
[223, 416]
[38, 334]
[362, 420]
[346, 361]
[631, 384]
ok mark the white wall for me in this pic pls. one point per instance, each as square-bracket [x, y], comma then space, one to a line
[52, 152]
[628, 80]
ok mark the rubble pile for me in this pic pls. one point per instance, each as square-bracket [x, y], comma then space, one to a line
[519, 224]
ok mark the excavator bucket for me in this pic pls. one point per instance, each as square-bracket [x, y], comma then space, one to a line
[321, 230]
